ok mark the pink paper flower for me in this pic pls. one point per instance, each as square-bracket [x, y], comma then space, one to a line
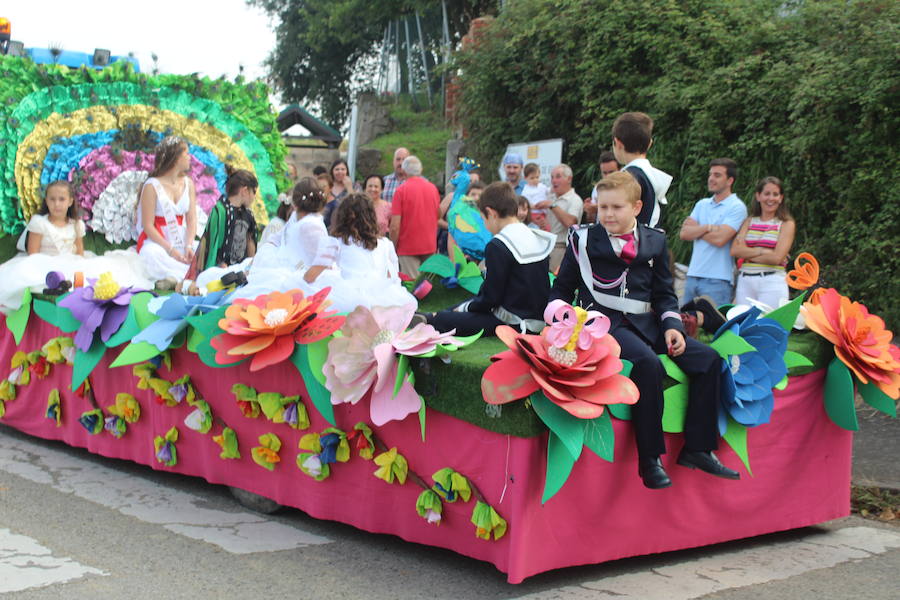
[364, 361]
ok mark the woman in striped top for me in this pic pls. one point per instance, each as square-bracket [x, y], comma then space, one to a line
[763, 244]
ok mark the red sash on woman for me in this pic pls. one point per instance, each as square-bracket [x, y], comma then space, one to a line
[159, 222]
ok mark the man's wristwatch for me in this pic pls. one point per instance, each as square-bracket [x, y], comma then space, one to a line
[554, 204]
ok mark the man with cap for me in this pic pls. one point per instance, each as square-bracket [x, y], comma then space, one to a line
[512, 167]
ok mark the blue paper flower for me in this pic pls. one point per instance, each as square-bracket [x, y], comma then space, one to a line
[748, 379]
[173, 312]
[329, 443]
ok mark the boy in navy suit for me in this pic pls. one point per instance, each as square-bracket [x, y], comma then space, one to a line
[621, 268]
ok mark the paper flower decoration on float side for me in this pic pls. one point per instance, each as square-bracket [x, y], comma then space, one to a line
[749, 377]
[268, 327]
[860, 339]
[103, 305]
[569, 374]
[573, 362]
[364, 359]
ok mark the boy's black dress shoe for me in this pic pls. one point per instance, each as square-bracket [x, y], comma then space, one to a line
[652, 473]
[706, 462]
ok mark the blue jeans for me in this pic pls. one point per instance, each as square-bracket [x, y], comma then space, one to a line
[721, 291]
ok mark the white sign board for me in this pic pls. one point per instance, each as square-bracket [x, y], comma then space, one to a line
[546, 153]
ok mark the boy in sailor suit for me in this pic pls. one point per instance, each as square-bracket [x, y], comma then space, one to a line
[516, 284]
[621, 268]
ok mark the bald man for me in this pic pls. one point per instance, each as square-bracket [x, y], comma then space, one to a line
[393, 181]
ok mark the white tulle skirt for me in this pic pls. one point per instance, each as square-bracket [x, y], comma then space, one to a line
[30, 271]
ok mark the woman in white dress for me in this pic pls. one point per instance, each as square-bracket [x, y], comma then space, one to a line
[167, 213]
[359, 265]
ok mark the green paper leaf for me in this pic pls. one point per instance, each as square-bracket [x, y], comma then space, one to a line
[839, 398]
[86, 361]
[142, 314]
[559, 466]
[469, 269]
[134, 353]
[318, 354]
[599, 436]
[782, 384]
[402, 372]
[675, 401]
[627, 366]
[438, 264]
[208, 324]
[422, 417]
[793, 359]
[56, 315]
[17, 320]
[320, 397]
[877, 399]
[127, 330]
[568, 428]
[672, 370]
[736, 436]
[729, 344]
[472, 284]
[195, 338]
[620, 411]
[786, 315]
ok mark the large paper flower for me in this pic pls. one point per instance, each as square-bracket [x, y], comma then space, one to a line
[103, 304]
[750, 376]
[860, 339]
[577, 372]
[364, 359]
[267, 327]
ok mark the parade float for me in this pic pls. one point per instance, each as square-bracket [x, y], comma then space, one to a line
[516, 450]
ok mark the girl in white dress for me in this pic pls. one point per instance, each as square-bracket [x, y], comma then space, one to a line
[359, 265]
[54, 241]
[167, 213]
[280, 263]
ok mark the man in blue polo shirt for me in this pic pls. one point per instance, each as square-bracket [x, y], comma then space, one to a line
[712, 225]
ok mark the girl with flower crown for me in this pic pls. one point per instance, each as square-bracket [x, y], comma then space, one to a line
[167, 214]
[293, 249]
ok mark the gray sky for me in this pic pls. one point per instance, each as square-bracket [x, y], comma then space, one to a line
[209, 36]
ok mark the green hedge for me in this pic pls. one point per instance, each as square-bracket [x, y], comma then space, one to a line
[806, 91]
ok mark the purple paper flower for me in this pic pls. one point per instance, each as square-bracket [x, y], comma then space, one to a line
[164, 454]
[106, 311]
[290, 414]
[178, 391]
[112, 425]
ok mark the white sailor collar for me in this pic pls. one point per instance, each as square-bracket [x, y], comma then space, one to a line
[527, 245]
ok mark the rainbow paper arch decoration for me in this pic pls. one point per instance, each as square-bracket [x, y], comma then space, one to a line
[53, 118]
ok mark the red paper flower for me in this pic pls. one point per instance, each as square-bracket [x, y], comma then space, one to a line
[860, 339]
[579, 380]
[268, 327]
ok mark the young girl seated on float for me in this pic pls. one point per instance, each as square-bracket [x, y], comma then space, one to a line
[277, 265]
[54, 241]
[356, 262]
[516, 284]
[167, 214]
[228, 243]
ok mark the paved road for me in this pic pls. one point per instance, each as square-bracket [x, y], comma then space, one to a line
[77, 526]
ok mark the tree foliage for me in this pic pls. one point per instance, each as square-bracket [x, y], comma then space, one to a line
[321, 44]
[806, 91]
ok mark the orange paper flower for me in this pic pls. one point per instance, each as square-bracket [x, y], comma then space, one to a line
[268, 327]
[804, 275]
[860, 339]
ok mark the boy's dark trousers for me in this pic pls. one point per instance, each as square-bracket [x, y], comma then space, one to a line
[700, 363]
